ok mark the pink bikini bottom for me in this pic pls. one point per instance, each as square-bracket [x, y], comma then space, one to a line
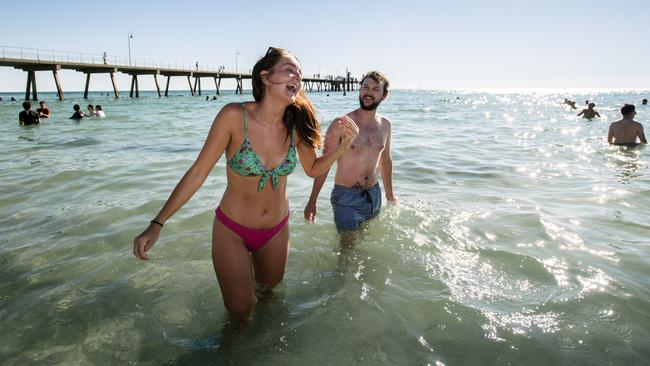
[254, 239]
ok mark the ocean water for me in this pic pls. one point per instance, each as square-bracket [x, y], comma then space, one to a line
[520, 238]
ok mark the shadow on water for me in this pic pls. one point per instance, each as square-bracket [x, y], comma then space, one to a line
[236, 343]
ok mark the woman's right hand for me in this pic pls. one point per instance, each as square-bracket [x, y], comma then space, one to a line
[349, 130]
[143, 242]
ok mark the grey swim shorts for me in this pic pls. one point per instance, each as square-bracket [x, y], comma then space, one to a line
[352, 206]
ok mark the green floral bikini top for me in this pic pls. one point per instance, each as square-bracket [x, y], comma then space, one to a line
[245, 161]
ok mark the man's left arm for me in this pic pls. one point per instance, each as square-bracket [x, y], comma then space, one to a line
[642, 135]
[386, 168]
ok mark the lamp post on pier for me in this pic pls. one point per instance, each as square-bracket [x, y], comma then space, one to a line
[130, 36]
[236, 54]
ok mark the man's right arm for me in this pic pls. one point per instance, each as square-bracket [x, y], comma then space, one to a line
[332, 140]
[311, 208]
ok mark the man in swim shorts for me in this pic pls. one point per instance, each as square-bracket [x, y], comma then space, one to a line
[356, 196]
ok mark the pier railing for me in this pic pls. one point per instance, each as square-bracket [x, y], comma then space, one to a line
[37, 54]
[36, 59]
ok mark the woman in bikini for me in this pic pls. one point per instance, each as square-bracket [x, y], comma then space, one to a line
[262, 141]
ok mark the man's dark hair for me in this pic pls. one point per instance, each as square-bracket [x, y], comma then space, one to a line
[377, 76]
[27, 105]
[627, 109]
[76, 107]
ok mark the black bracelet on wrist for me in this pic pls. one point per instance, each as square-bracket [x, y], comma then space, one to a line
[156, 222]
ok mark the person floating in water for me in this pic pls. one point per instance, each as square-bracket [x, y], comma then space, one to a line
[570, 103]
[356, 196]
[644, 102]
[589, 112]
[626, 131]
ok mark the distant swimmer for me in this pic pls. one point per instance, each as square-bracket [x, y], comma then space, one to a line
[644, 102]
[43, 111]
[91, 111]
[570, 103]
[589, 112]
[28, 116]
[99, 112]
[12, 99]
[78, 114]
[625, 131]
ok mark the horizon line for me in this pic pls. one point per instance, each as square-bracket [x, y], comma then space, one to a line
[469, 89]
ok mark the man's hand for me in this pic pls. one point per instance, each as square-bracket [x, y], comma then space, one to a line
[310, 211]
[349, 130]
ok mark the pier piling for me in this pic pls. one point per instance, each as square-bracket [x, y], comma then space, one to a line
[89, 64]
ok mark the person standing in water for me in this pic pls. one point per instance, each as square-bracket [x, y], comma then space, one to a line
[263, 141]
[28, 116]
[43, 111]
[626, 130]
[356, 196]
[589, 112]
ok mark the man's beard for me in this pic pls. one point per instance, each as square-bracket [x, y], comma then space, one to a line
[371, 107]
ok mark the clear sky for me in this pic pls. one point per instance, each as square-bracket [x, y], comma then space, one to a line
[418, 44]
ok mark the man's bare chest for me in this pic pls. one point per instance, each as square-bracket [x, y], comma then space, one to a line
[370, 138]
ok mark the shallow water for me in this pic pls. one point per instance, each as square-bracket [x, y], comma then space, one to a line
[521, 238]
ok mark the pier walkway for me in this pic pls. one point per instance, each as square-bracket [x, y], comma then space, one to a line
[31, 60]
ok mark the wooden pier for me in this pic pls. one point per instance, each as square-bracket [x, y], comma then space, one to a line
[42, 60]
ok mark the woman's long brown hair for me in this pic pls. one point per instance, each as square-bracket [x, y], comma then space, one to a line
[300, 114]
